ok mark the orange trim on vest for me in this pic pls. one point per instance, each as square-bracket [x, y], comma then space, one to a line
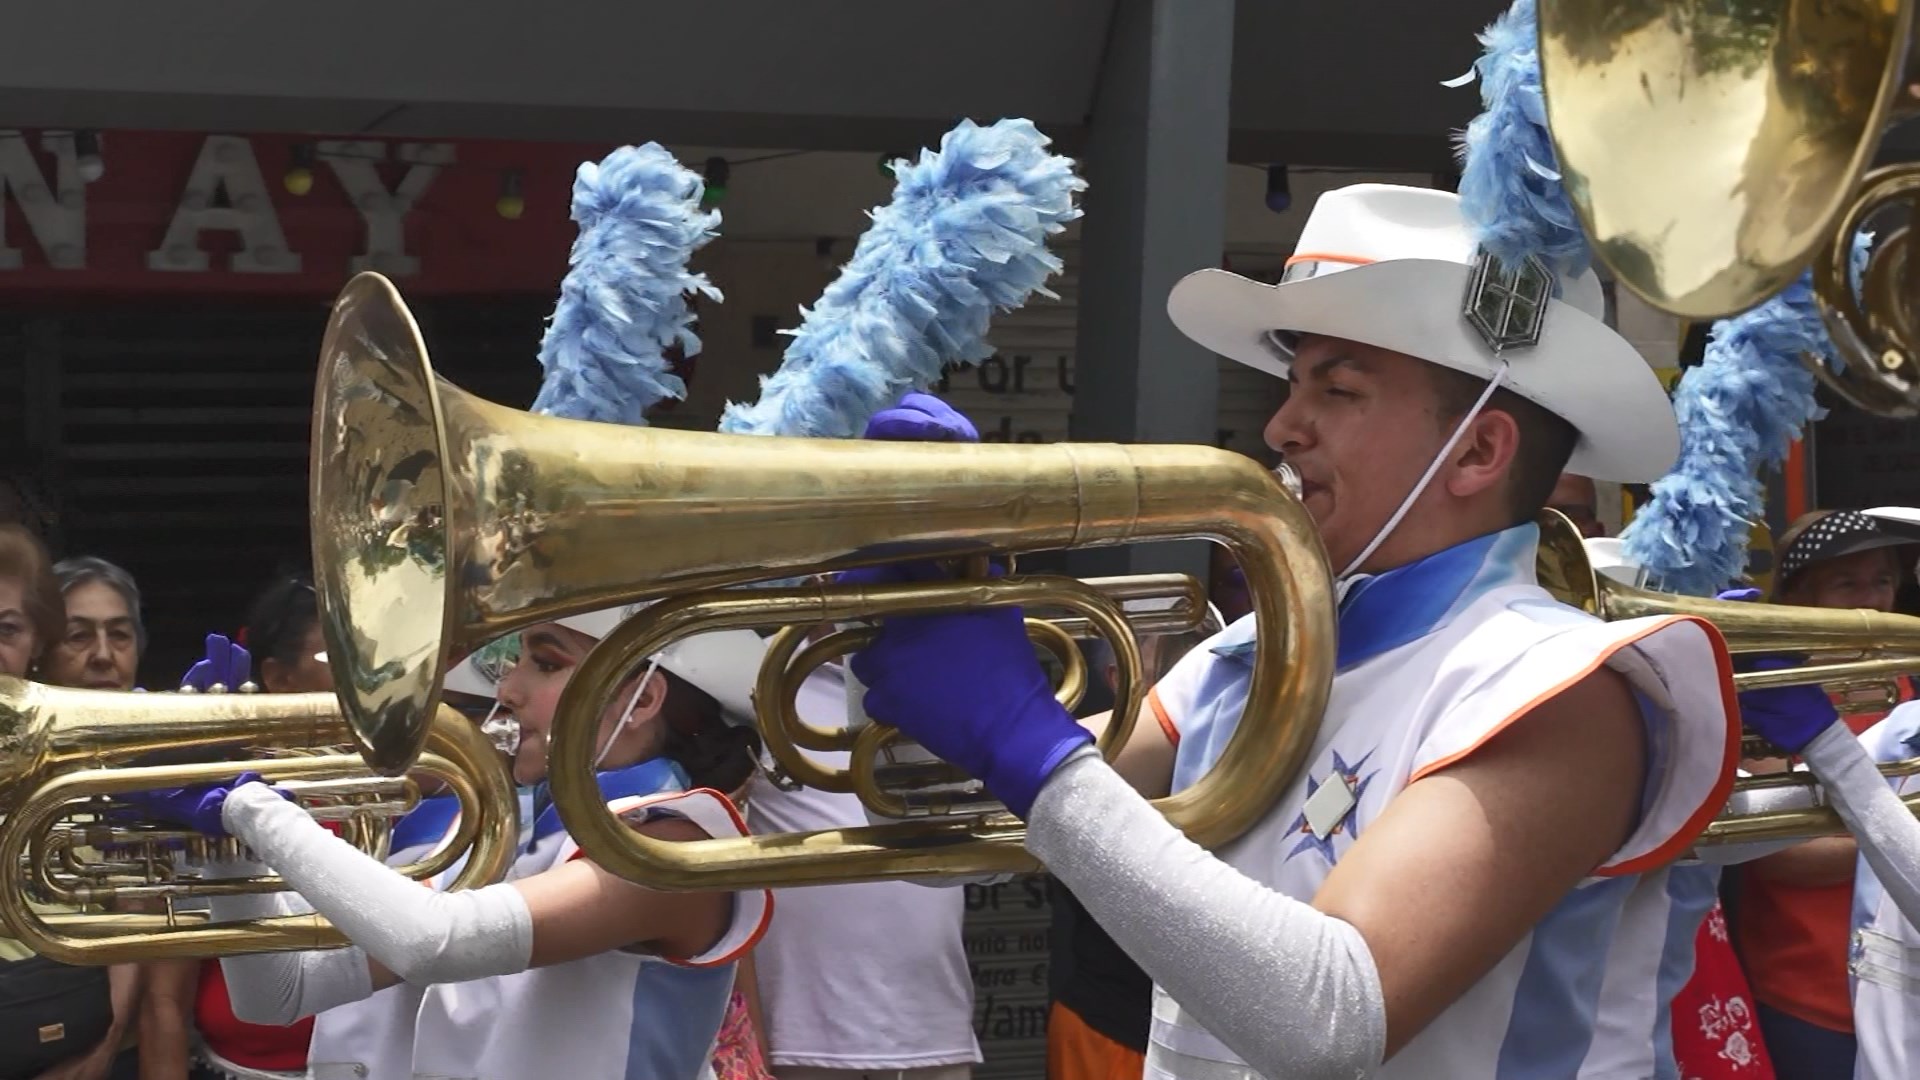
[1328, 256]
[1683, 837]
[1160, 713]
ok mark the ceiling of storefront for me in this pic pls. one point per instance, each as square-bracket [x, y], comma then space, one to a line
[1352, 84]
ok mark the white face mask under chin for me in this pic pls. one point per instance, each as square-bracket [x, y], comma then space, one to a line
[1346, 578]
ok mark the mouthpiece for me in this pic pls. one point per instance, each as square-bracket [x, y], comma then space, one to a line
[1289, 478]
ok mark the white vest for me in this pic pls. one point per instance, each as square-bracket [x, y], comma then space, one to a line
[1884, 961]
[1435, 659]
[884, 991]
[618, 1015]
[373, 1037]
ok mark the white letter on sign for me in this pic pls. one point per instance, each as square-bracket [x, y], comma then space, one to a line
[226, 165]
[385, 212]
[56, 217]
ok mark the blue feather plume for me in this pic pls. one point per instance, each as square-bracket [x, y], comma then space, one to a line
[1510, 189]
[1739, 411]
[964, 237]
[624, 299]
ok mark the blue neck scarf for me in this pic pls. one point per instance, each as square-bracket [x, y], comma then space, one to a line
[1381, 612]
[647, 778]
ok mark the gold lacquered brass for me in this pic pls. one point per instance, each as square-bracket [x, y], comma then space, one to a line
[65, 753]
[1710, 146]
[444, 521]
[1714, 150]
[1842, 650]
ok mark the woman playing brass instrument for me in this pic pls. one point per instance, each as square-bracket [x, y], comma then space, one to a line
[637, 979]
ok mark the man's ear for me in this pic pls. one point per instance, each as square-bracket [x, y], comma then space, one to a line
[1485, 454]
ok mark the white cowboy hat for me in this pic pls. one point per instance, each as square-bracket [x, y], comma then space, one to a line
[722, 663]
[1389, 266]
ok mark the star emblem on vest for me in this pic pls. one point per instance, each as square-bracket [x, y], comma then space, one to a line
[1332, 806]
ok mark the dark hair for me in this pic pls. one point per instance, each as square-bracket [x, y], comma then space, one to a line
[80, 570]
[280, 618]
[716, 754]
[24, 558]
[1546, 440]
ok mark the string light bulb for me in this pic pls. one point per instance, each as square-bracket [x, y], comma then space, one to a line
[86, 156]
[717, 172]
[512, 202]
[1279, 191]
[300, 161]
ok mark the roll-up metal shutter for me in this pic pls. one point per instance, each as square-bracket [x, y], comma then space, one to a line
[180, 432]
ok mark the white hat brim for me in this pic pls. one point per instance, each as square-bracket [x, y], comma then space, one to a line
[1581, 370]
[724, 664]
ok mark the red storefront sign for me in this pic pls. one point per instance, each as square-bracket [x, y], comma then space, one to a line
[213, 214]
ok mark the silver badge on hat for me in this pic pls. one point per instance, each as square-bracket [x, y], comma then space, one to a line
[1508, 307]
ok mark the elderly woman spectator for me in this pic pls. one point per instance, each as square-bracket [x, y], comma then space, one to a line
[101, 645]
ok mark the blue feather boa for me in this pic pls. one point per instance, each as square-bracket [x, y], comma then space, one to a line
[1510, 189]
[624, 300]
[1739, 411]
[965, 236]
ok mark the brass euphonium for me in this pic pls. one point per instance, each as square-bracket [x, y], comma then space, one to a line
[1715, 149]
[1840, 650]
[443, 521]
[65, 754]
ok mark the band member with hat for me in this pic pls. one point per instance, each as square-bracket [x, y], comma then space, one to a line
[637, 980]
[1499, 781]
[1795, 906]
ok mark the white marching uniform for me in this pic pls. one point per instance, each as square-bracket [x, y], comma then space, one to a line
[832, 999]
[619, 1014]
[1435, 659]
[374, 1037]
[1884, 956]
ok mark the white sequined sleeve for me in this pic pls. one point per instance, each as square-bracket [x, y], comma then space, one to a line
[1290, 989]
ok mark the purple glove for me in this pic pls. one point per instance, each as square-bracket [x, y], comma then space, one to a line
[1789, 717]
[969, 688]
[1739, 594]
[227, 664]
[197, 808]
[921, 418]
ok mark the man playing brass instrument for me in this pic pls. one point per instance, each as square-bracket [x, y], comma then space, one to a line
[1468, 879]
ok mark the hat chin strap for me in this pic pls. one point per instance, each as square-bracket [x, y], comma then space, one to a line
[1499, 377]
[626, 714]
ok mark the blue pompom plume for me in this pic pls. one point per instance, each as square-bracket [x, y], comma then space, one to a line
[624, 300]
[1739, 411]
[1510, 188]
[964, 237]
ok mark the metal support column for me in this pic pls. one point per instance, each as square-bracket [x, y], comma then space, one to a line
[1156, 163]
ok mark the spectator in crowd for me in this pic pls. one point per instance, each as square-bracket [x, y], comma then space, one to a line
[1575, 497]
[1794, 907]
[71, 1023]
[104, 638]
